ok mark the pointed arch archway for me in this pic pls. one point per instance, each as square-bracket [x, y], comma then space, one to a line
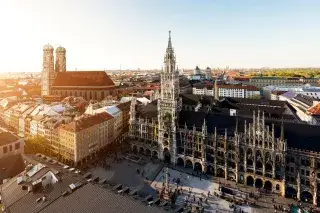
[210, 170]
[290, 192]
[148, 152]
[258, 164]
[155, 155]
[268, 185]
[197, 167]
[249, 153]
[258, 183]
[220, 173]
[166, 155]
[135, 149]
[232, 176]
[180, 162]
[250, 181]
[269, 167]
[306, 197]
[141, 150]
[188, 164]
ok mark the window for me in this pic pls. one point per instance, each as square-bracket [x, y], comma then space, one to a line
[5, 149]
[307, 183]
[10, 148]
[17, 146]
[307, 173]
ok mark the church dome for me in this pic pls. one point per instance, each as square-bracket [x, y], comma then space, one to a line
[60, 49]
[47, 47]
[196, 71]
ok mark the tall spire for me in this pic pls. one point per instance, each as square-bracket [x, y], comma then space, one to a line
[169, 42]
[216, 90]
[282, 131]
[169, 58]
[236, 125]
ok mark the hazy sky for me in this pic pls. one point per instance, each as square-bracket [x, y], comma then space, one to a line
[102, 34]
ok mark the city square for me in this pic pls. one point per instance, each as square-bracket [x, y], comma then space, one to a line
[195, 189]
[224, 118]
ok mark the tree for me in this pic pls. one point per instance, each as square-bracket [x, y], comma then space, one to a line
[34, 91]
[36, 144]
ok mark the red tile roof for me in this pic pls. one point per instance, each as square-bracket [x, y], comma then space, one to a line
[83, 78]
[239, 78]
[7, 138]
[124, 106]
[86, 122]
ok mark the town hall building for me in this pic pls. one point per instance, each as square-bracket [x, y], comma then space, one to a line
[276, 155]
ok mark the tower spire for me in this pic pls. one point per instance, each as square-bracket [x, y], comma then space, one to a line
[282, 130]
[236, 124]
[216, 90]
[169, 41]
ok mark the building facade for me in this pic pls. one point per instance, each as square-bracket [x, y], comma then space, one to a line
[82, 138]
[278, 157]
[271, 92]
[234, 91]
[278, 81]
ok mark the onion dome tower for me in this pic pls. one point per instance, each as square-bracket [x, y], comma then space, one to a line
[47, 74]
[61, 60]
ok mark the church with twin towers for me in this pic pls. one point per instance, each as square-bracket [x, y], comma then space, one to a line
[57, 82]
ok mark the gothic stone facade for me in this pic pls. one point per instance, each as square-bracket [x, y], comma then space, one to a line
[255, 156]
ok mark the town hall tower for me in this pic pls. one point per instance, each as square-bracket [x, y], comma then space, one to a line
[169, 106]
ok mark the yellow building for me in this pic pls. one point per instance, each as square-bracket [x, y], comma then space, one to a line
[83, 137]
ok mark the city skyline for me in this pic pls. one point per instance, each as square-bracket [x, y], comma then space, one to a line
[108, 34]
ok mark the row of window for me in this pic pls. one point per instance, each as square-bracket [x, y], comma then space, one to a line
[85, 94]
[9, 148]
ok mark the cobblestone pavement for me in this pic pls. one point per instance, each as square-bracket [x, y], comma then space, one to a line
[195, 190]
[120, 171]
[125, 172]
[265, 202]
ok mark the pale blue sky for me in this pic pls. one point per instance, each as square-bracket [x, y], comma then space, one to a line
[102, 34]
